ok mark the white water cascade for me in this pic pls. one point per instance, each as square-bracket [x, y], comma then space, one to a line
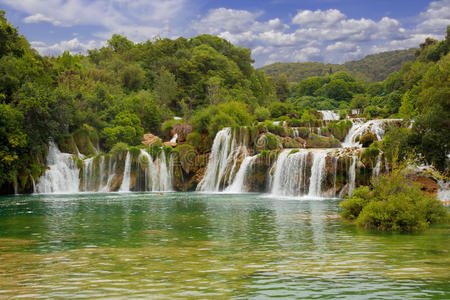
[224, 154]
[289, 174]
[352, 175]
[238, 185]
[158, 177]
[359, 128]
[62, 175]
[125, 186]
[329, 115]
[111, 173]
[317, 173]
[174, 138]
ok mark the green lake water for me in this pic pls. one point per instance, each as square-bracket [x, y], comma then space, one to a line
[200, 246]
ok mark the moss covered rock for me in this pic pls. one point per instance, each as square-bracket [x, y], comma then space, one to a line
[268, 141]
[293, 142]
[317, 141]
[83, 141]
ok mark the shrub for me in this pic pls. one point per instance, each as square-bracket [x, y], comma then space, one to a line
[278, 109]
[194, 139]
[119, 148]
[262, 114]
[393, 204]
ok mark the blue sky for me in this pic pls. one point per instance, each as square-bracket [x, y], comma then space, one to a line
[276, 30]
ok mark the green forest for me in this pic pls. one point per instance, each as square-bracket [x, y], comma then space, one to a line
[113, 95]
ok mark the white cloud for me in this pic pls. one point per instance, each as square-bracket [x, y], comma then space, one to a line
[436, 18]
[139, 18]
[73, 46]
[40, 18]
[318, 18]
[320, 35]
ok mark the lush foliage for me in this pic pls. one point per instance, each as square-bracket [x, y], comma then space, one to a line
[393, 204]
[375, 67]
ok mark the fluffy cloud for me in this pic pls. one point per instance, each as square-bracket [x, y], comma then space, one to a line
[323, 35]
[142, 19]
[74, 46]
[40, 18]
[310, 35]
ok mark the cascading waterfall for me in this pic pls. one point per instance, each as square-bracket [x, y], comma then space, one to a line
[359, 128]
[238, 185]
[377, 168]
[101, 172]
[317, 173]
[174, 138]
[158, 173]
[352, 175]
[224, 155]
[329, 115]
[87, 173]
[62, 175]
[125, 186]
[111, 173]
[289, 175]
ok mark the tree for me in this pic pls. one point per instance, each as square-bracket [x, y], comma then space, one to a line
[282, 87]
[165, 87]
[119, 43]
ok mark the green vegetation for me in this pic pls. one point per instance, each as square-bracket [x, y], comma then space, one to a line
[375, 67]
[393, 204]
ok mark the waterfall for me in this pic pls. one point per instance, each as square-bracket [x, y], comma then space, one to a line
[289, 176]
[352, 175]
[329, 115]
[377, 168]
[317, 173]
[111, 173]
[444, 190]
[159, 173]
[62, 175]
[165, 173]
[125, 186]
[102, 172]
[16, 189]
[359, 128]
[87, 173]
[335, 166]
[174, 138]
[238, 185]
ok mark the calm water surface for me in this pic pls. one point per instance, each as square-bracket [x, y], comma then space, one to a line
[189, 245]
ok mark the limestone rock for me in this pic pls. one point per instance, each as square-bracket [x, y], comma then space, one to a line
[150, 139]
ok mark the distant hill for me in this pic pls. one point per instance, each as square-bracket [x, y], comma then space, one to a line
[374, 67]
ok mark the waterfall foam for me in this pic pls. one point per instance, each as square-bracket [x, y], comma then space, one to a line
[359, 128]
[125, 186]
[329, 115]
[238, 185]
[317, 173]
[62, 175]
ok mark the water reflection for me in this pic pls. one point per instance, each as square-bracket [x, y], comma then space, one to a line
[200, 245]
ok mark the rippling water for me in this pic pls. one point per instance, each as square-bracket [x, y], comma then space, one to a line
[191, 245]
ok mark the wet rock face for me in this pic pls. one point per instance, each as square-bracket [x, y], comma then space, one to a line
[427, 184]
[150, 139]
[182, 130]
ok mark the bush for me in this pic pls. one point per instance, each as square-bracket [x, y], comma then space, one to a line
[393, 204]
[262, 114]
[194, 139]
[119, 148]
[278, 109]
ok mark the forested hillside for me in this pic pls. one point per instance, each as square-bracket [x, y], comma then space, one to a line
[375, 67]
[109, 98]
